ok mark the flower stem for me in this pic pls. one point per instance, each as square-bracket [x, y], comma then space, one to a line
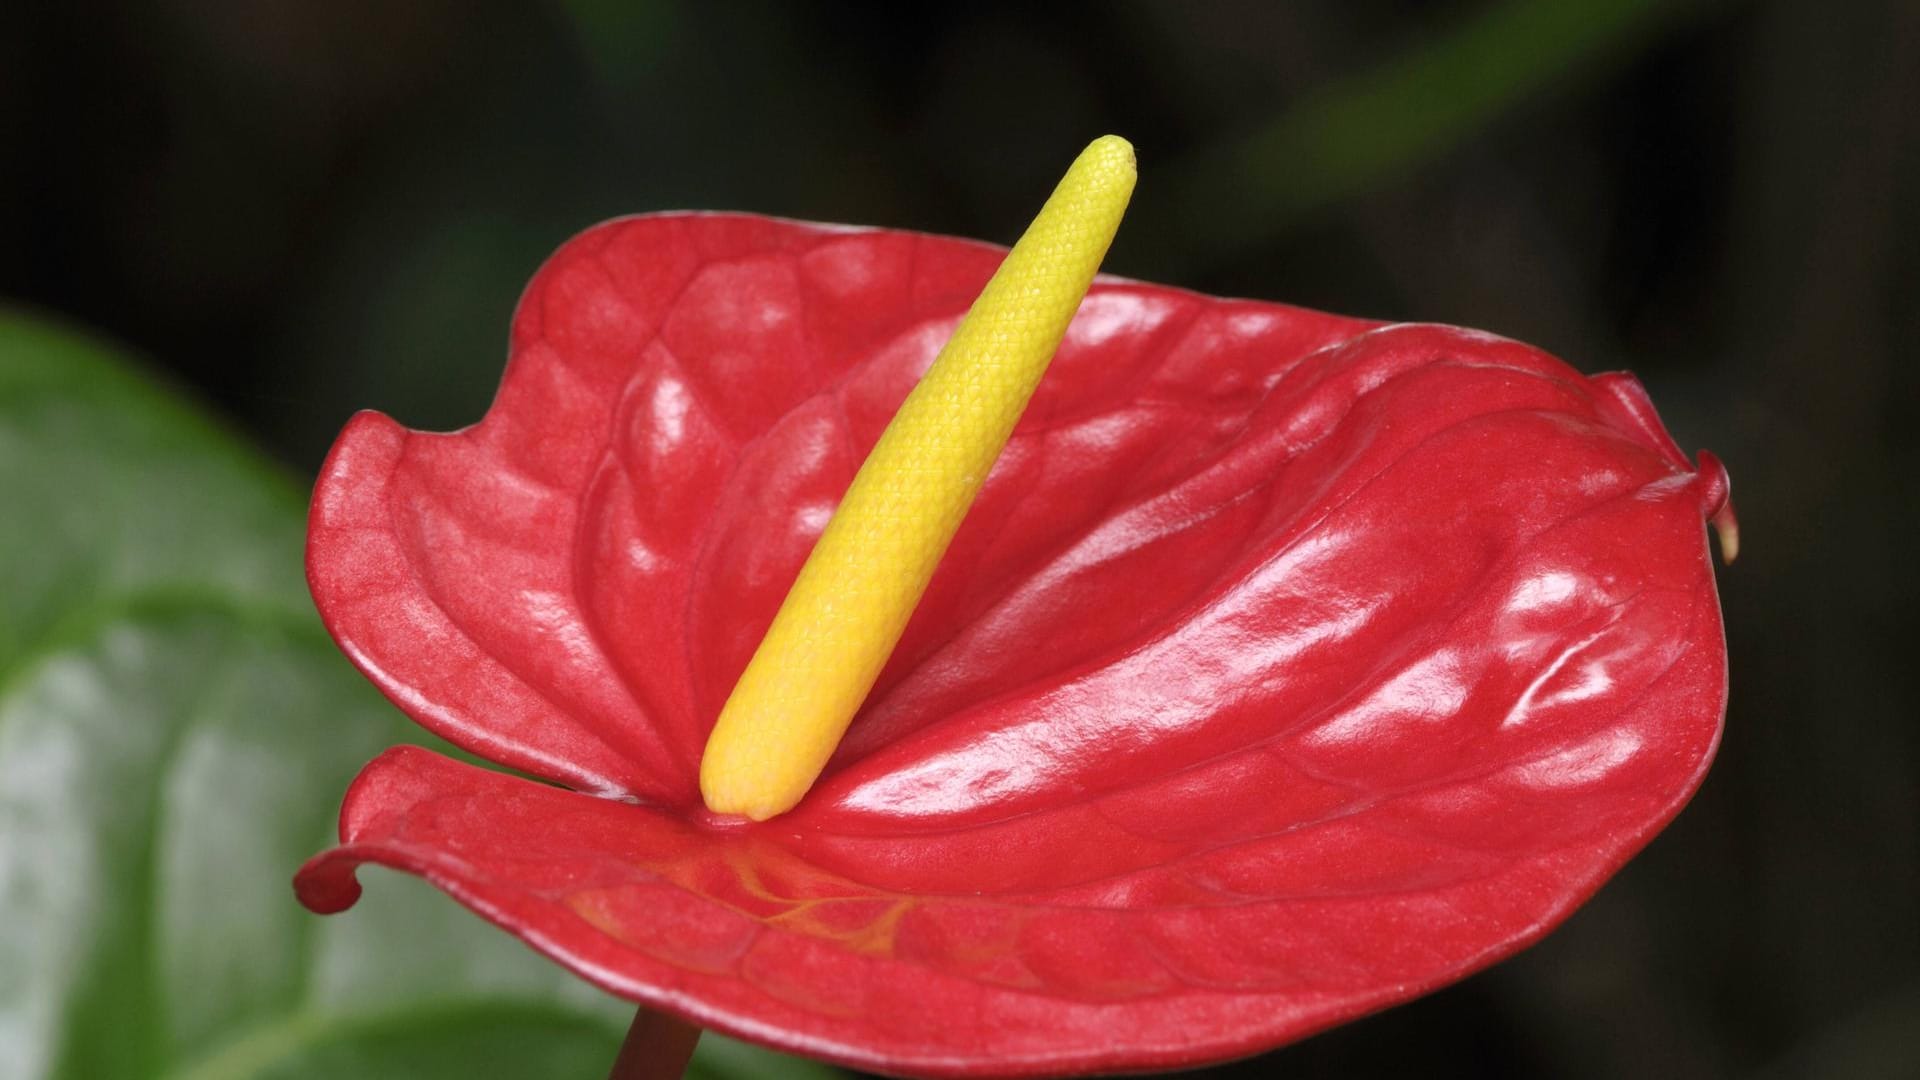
[658, 1047]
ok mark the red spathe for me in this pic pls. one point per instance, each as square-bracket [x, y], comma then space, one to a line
[1289, 665]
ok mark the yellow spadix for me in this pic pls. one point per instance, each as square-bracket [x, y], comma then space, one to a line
[853, 597]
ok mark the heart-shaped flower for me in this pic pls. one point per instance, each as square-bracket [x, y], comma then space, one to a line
[1288, 666]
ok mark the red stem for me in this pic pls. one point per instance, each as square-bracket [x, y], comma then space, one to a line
[657, 1047]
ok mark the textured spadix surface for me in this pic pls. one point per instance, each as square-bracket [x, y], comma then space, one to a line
[1289, 665]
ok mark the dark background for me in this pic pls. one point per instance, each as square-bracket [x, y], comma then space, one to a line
[300, 209]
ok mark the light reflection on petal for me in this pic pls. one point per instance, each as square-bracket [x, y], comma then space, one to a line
[1583, 763]
[1591, 680]
[1430, 690]
[553, 615]
[1544, 590]
[669, 408]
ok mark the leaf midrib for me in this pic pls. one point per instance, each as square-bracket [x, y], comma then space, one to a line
[85, 624]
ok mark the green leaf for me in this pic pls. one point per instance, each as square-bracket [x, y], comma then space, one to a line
[175, 734]
[112, 488]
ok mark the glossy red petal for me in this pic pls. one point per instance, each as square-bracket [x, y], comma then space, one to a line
[1289, 665]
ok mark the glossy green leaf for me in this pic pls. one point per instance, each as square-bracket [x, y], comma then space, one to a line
[175, 729]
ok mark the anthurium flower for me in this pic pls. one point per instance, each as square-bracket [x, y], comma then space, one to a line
[1288, 666]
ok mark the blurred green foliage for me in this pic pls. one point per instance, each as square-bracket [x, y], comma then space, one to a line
[1353, 135]
[175, 734]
